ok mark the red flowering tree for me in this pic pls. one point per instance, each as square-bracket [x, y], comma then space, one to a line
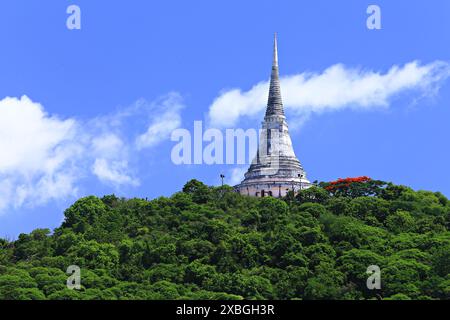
[354, 187]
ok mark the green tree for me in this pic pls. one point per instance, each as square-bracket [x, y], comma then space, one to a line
[213, 243]
[200, 192]
[400, 221]
[313, 195]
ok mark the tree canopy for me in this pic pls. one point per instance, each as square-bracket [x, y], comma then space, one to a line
[212, 243]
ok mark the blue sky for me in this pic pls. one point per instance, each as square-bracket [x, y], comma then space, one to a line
[142, 68]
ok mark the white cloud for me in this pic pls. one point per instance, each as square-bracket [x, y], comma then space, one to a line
[113, 171]
[44, 157]
[37, 154]
[337, 87]
[161, 127]
[237, 175]
[113, 149]
[107, 144]
[111, 155]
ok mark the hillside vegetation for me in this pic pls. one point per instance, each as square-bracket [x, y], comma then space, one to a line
[211, 243]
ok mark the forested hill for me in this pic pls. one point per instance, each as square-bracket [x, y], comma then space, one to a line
[211, 243]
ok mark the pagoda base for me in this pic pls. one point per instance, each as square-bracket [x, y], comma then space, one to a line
[271, 187]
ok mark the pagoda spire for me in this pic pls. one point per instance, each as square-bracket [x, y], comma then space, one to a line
[275, 51]
[276, 169]
[274, 103]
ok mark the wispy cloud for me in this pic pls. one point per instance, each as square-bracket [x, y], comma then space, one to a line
[168, 119]
[237, 175]
[337, 87]
[45, 157]
[111, 156]
[118, 138]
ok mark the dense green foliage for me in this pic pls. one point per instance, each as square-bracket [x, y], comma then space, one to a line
[211, 243]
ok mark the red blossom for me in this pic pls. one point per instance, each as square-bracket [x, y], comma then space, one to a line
[346, 182]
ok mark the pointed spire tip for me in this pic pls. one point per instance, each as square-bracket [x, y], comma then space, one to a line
[275, 104]
[275, 50]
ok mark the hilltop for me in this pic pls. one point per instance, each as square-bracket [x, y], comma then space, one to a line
[212, 243]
